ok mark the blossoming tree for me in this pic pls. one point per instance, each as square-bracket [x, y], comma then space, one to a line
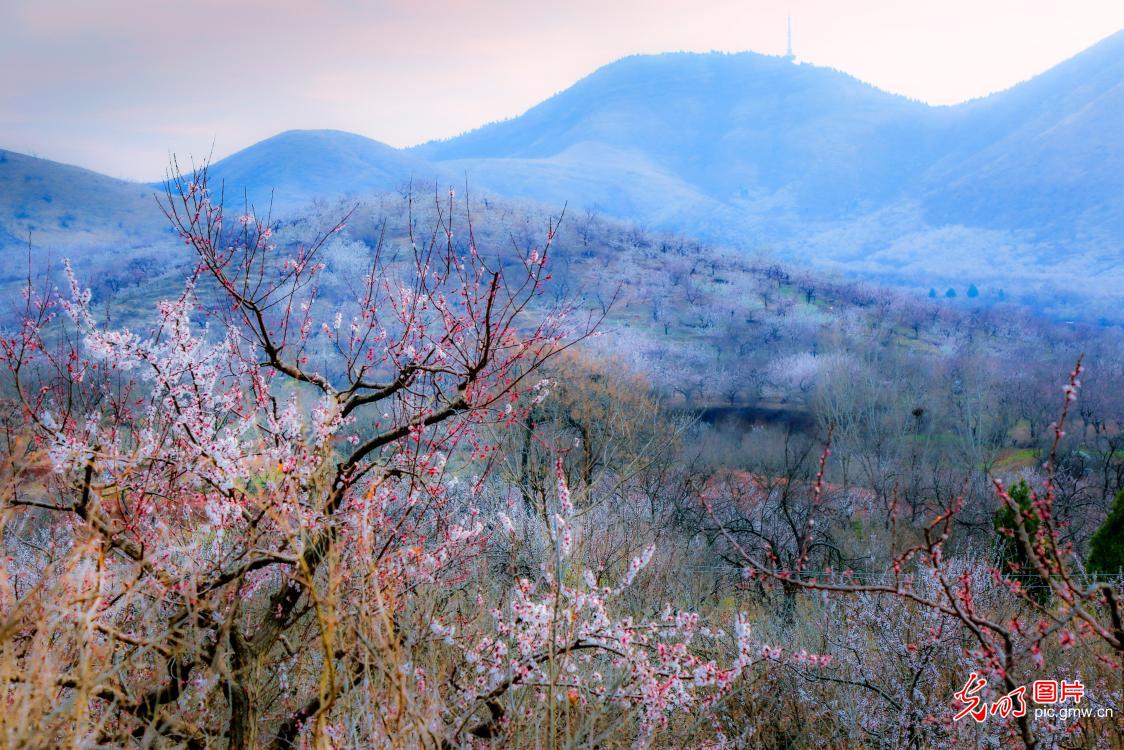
[1007, 641]
[237, 528]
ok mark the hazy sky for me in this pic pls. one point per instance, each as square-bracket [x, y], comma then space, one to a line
[115, 85]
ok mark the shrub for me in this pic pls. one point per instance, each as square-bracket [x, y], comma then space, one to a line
[1012, 559]
[1106, 547]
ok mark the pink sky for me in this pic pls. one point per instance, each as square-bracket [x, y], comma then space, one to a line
[115, 85]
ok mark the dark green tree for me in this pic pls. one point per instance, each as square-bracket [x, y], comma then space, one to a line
[1013, 560]
[1106, 548]
[932, 293]
[950, 293]
[972, 291]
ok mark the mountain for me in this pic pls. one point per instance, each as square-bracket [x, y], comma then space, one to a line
[1020, 193]
[1045, 156]
[297, 166]
[782, 143]
[60, 205]
[735, 128]
[73, 207]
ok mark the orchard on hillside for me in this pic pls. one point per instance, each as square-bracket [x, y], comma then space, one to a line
[247, 518]
[354, 485]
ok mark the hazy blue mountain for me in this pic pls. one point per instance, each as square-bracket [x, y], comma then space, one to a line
[60, 205]
[112, 231]
[74, 207]
[299, 165]
[732, 127]
[1022, 190]
[1045, 156]
[773, 139]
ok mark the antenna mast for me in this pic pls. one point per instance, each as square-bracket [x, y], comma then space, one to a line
[789, 56]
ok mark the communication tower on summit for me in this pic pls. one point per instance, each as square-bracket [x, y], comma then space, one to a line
[788, 55]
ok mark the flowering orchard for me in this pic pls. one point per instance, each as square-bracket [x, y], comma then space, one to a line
[251, 524]
[357, 488]
[1005, 627]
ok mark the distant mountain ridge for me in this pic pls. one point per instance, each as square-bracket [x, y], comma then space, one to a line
[1022, 190]
[297, 166]
[731, 125]
[60, 204]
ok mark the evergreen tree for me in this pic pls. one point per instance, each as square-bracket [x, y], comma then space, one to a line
[1012, 558]
[1106, 548]
[932, 293]
[950, 293]
[972, 291]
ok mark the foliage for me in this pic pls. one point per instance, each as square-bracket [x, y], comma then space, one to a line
[1012, 559]
[1106, 547]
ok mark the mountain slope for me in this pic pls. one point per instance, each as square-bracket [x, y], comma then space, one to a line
[732, 127]
[1045, 156]
[297, 166]
[781, 143]
[1021, 191]
[60, 205]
